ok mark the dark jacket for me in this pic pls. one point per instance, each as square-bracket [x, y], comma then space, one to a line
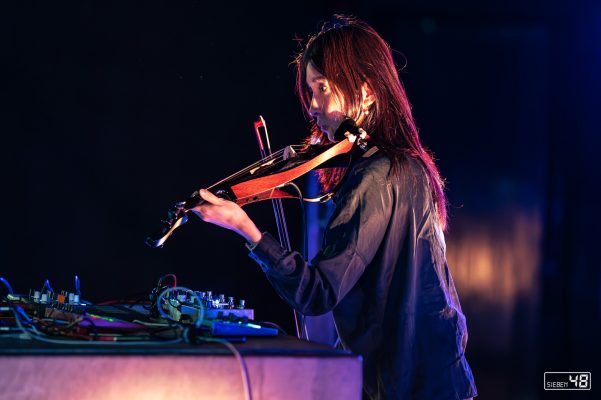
[382, 271]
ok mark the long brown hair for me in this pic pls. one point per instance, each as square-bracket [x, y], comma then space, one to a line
[349, 52]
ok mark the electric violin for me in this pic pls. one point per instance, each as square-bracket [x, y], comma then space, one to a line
[270, 177]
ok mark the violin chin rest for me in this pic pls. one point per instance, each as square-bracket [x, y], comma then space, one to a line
[347, 125]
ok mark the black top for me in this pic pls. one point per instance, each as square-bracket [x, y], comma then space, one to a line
[382, 271]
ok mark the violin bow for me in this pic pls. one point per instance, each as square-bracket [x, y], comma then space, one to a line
[278, 207]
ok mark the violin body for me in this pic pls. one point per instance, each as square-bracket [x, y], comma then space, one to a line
[264, 180]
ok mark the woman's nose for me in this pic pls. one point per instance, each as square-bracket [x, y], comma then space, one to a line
[313, 107]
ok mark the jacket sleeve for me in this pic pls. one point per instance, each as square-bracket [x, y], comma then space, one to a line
[351, 239]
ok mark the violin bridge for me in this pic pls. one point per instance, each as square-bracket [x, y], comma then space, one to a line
[252, 171]
[289, 152]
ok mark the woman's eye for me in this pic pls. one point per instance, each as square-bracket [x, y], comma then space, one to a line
[322, 88]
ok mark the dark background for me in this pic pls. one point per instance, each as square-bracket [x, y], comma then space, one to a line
[112, 112]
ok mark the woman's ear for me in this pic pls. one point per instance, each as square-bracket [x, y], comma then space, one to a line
[368, 97]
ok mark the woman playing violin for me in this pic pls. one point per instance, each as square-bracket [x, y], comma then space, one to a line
[382, 269]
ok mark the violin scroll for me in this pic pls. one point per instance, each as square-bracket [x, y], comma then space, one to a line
[176, 217]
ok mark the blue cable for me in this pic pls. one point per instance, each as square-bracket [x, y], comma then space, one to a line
[22, 312]
[160, 297]
[47, 285]
[10, 289]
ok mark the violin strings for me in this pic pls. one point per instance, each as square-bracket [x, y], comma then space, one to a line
[243, 171]
[273, 158]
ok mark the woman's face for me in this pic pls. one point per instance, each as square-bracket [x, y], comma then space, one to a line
[326, 107]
